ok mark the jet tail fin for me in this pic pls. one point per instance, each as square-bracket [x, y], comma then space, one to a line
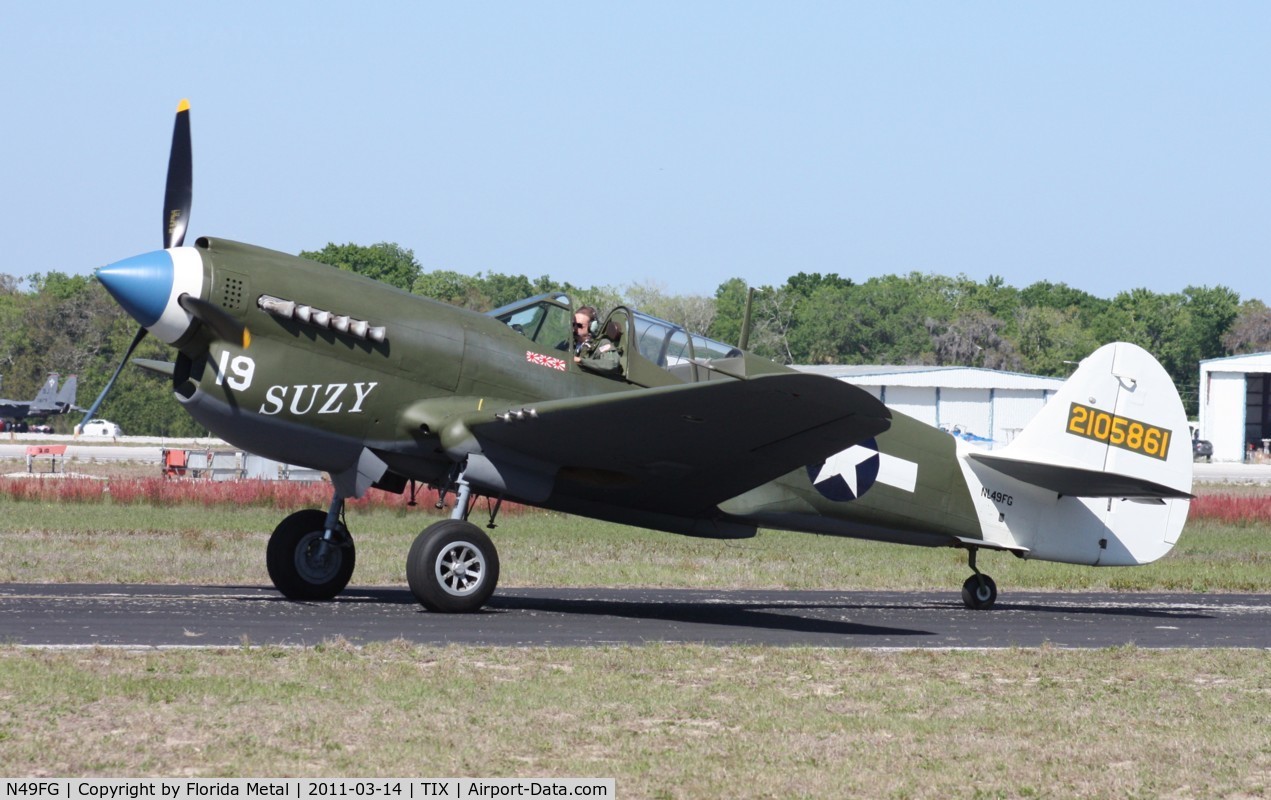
[1116, 428]
[65, 399]
[46, 397]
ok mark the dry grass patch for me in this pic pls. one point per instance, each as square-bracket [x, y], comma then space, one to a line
[666, 721]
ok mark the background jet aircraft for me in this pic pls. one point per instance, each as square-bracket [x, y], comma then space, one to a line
[48, 401]
[311, 365]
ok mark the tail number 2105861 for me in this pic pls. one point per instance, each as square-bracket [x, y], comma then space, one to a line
[1122, 432]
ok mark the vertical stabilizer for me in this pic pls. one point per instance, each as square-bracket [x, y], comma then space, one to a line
[45, 399]
[65, 400]
[1109, 461]
[1116, 428]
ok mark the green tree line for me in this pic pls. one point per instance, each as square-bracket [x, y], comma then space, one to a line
[68, 324]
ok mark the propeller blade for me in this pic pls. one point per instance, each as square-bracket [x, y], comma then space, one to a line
[221, 323]
[92, 410]
[164, 369]
[180, 190]
[177, 198]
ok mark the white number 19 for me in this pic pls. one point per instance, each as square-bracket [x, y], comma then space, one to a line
[242, 367]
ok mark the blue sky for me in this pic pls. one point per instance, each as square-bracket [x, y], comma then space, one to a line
[1106, 145]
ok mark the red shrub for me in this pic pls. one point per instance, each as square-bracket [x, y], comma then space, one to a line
[162, 492]
[1233, 509]
[50, 490]
[77, 490]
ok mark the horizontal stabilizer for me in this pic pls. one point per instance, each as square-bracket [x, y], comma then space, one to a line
[1075, 481]
[967, 541]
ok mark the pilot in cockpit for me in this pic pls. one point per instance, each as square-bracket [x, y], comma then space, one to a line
[584, 329]
[604, 354]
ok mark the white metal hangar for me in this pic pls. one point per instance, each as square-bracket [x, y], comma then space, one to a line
[977, 404]
[1235, 406]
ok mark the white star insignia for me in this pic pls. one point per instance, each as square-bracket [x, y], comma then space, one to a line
[844, 465]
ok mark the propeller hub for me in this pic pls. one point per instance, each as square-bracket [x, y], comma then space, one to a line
[149, 286]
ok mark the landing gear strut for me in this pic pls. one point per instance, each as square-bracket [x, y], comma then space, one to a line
[979, 591]
[310, 555]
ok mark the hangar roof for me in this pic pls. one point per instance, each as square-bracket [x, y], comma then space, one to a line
[1249, 362]
[948, 377]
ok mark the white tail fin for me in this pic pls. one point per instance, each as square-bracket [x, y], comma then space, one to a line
[1116, 428]
[1115, 432]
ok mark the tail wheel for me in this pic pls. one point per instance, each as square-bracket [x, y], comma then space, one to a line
[452, 567]
[979, 592]
[303, 563]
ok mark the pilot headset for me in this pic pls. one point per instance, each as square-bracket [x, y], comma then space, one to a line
[594, 326]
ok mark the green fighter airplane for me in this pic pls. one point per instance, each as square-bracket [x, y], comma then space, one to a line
[311, 365]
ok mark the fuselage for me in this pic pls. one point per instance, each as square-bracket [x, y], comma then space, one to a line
[339, 364]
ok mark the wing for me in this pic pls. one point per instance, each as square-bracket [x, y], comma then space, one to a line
[677, 450]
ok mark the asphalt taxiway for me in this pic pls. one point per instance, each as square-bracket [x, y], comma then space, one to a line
[71, 615]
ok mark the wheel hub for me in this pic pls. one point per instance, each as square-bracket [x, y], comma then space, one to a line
[318, 560]
[460, 568]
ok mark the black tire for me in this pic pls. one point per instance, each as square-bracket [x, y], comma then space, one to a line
[301, 566]
[452, 567]
[979, 592]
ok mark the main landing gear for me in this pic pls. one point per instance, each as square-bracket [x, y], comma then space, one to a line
[979, 591]
[310, 555]
[452, 567]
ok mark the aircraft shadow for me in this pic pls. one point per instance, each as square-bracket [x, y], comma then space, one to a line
[756, 616]
[573, 605]
[768, 618]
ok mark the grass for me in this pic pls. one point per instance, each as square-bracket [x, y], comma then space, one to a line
[665, 721]
[136, 543]
[125, 524]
